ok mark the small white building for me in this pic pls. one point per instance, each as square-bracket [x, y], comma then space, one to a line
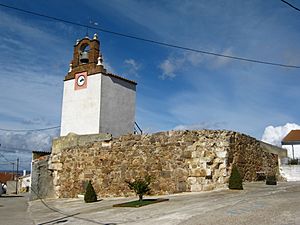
[291, 169]
[95, 101]
[291, 142]
[24, 182]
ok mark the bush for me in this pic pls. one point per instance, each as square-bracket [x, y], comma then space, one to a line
[140, 186]
[235, 179]
[293, 162]
[271, 180]
[90, 194]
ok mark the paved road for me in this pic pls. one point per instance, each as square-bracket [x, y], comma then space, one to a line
[14, 210]
[256, 204]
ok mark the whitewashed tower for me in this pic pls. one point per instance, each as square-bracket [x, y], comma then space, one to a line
[95, 101]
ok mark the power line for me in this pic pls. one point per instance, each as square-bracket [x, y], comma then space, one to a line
[289, 4]
[153, 41]
[25, 130]
[6, 158]
[5, 163]
[66, 215]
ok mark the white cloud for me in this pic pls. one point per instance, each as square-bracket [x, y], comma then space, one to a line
[176, 63]
[31, 98]
[132, 67]
[195, 59]
[21, 144]
[168, 68]
[27, 31]
[222, 61]
[39, 141]
[171, 65]
[274, 135]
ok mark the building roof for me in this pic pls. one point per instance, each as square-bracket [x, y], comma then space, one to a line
[6, 176]
[42, 152]
[292, 138]
[121, 78]
[37, 155]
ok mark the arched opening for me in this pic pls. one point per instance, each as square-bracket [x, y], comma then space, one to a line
[84, 53]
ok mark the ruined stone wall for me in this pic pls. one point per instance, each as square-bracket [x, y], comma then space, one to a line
[41, 179]
[251, 157]
[178, 161]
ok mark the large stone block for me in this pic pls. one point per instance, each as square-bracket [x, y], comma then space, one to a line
[196, 187]
[181, 173]
[198, 172]
[209, 187]
[187, 154]
[192, 180]
[166, 174]
[221, 154]
[73, 140]
[56, 166]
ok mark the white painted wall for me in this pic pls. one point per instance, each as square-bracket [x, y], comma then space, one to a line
[81, 108]
[25, 181]
[107, 105]
[117, 106]
[289, 150]
[290, 172]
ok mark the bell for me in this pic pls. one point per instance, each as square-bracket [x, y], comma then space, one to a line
[84, 57]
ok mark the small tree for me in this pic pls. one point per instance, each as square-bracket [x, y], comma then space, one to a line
[140, 186]
[90, 194]
[235, 179]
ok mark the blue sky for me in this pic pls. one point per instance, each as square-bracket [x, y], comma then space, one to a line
[176, 89]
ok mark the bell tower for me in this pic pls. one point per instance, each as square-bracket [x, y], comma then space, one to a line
[95, 101]
[86, 57]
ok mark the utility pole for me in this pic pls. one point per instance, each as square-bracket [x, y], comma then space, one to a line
[13, 170]
[17, 176]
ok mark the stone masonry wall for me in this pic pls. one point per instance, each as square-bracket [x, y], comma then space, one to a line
[178, 161]
[249, 156]
[41, 179]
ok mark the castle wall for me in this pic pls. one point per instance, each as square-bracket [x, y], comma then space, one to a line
[178, 161]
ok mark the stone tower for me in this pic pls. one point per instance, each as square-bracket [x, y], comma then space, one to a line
[95, 101]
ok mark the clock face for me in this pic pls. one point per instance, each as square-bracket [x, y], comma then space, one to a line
[80, 80]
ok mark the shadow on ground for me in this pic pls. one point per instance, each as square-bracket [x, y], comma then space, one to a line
[64, 220]
[11, 196]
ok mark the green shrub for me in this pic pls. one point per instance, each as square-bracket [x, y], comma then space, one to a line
[235, 179]
[293, 162]
[271, 180]
[90, 194]
[140, 186]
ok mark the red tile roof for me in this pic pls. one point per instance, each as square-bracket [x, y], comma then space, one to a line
[292, 138]
[6, 176]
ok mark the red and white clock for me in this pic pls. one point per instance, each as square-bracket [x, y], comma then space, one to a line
[80, 80]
